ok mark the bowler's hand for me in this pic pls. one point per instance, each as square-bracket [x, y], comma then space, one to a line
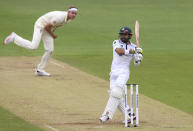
[54, 36]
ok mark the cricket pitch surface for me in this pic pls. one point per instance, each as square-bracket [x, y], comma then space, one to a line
[72, 100]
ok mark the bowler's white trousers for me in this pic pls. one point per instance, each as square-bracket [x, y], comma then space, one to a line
[39, 33]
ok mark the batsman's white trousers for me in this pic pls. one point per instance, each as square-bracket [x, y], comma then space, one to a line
[119, 78]
[39, 33]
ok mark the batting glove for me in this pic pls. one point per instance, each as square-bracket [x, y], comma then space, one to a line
[138, 57]
[139, 50]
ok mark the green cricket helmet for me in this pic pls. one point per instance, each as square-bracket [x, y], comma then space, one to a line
[125, 31]
[125, 34]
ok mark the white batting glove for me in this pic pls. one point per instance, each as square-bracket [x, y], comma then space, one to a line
[138, 57]
[138, 50]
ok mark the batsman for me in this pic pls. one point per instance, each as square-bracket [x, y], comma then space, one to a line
[123, 52]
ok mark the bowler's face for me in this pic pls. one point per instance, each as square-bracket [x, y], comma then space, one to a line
[72, 14]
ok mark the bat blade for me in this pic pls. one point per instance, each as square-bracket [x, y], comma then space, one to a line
[137, 33]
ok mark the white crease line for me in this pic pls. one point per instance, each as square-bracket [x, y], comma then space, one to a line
[57, 64]
[48, 126]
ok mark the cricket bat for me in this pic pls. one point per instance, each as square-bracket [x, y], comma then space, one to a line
[137, 33]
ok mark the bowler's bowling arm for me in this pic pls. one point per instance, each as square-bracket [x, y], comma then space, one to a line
[48, 28]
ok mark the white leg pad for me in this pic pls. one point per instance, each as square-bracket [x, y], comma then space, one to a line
[121, 106]
[117, 92]
[111, 107]
[113, 102]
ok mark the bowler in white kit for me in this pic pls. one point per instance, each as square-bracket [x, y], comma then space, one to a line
[123, 52]
[44, 29]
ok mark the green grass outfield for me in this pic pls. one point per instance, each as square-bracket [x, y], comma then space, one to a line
[10, 122]
[86, 43]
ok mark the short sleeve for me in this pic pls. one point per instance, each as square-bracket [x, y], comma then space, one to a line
[116, 44]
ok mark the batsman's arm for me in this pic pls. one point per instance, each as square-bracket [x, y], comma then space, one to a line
[121, 51]
[48, 28]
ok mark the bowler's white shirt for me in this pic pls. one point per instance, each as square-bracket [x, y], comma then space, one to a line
[56, 18]
[121, 63]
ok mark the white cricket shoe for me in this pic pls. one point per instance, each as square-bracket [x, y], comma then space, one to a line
[104, 118]
[41, 73]
[9, 38]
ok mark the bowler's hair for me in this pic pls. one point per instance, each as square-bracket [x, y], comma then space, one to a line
[72, 7]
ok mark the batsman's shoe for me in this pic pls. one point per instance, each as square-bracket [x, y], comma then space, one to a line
[129, 120]
[134, 117]
[9, 38]
[104, 118]
[41, 73]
